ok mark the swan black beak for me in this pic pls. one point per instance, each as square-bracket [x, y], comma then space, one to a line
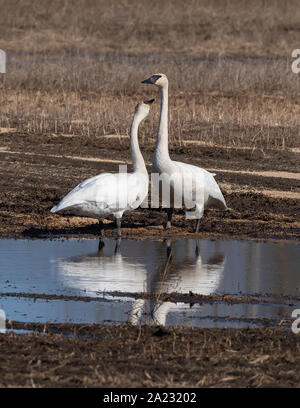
[151, 80]
[149, 102]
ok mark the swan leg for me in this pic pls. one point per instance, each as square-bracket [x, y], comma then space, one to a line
[101, 244]
[197, 251]
[118, 245]
[118, 220]
[199, 211]
[170, 213]
[101, 228]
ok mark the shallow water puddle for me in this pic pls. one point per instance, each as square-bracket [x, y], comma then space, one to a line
[72, 281]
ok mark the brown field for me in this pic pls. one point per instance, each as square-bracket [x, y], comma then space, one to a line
[77, 70]
[74, 72]
[154, 358]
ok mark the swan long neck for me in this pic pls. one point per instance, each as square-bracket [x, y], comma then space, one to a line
[161, 147]
[136, 155]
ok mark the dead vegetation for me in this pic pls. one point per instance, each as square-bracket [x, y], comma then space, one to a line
[154, 358]
[234, 27]
[76, 70]
[254, 122]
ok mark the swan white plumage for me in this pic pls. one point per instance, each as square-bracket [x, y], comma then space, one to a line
[205, 190]
[106, 194]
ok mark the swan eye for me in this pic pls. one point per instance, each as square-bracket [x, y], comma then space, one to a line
[156, 77]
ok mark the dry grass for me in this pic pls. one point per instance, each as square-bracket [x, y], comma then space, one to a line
[254, 121]
[75, 68]
[242, 27]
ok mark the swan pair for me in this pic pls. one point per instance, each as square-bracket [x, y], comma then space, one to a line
[114, 194]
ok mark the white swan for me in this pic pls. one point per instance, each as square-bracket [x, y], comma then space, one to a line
[204, 190]
[107, 193]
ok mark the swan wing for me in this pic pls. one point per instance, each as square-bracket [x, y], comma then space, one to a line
[106, 192]
[83, 191]
[137, 189]
[215, 197]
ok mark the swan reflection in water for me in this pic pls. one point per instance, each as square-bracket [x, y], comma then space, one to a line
[106, 270]
[189, 274]
[146, 267]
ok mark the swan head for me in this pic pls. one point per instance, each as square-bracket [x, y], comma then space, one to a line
[142, 109]
[159, 80]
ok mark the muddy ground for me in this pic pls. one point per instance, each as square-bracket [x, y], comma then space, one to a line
[124, 356]
[262, 191]
[261, 188]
